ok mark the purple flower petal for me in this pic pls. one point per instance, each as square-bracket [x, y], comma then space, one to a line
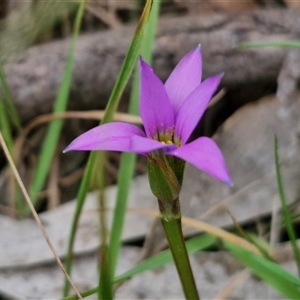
[155, 107]
[143, 145]
[185, 78]
[193, 107]
[115, 136]
[204, 154]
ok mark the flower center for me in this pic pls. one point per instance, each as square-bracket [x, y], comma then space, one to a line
[165, 136]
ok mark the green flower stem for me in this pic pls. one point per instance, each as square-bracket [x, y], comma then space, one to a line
[170, 217]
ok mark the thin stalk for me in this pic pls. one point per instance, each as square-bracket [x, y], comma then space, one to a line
[83, 189]
[34, 213]
[126, 70]
[285, 210]
[170, 217]
[128, 160]
[290, 43]
[53, 132]
[11, 109]
[105, 284]
[5, 128]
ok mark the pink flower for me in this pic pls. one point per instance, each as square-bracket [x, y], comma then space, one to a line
[170, 113]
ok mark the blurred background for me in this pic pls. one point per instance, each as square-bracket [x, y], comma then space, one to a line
[258, 97]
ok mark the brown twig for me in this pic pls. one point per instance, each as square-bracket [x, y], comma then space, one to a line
[35, 215]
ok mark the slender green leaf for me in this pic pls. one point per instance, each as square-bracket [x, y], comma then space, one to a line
[11, 109]
[269, 271]
[261, 244]
[83, 189]
[286, 213]
[128, 64]
[8, 112]
[9, 117]
[126, 70]
[128, 160]
[105, 290]
[5, 128]
[193, 245]
[165, 257]
[290, 43]
[54, 129]
[105, 283]
[127, 164]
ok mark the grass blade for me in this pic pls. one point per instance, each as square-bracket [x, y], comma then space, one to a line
[5, 127]
[7, 112]
[11, 110]
[126, 70]
[285, 210]
[128, 160]
[104, 281]
[128, 64]
[193, 245]
[270, 272]
[34, 213]
[54, 129]
[291, 43]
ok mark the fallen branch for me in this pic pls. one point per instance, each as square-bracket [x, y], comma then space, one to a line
[34, 78]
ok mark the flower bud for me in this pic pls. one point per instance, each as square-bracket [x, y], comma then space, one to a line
[163, 181]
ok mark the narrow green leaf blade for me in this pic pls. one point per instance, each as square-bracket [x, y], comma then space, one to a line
[291, 43]
[128, 64]
[193, 245]
[272, 273]
[126, 70]
[128, 160]
[5, 128]
[286, 212]
[165, 257]
[54, 129]
[11, 109]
